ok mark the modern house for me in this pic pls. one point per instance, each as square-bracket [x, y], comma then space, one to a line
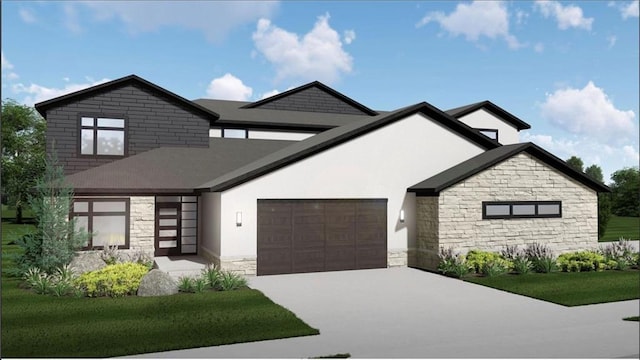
[309, 179]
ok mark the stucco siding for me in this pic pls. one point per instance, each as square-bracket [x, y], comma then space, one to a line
[520, 178]
[482, 119]
[381, 164]
[209, 235]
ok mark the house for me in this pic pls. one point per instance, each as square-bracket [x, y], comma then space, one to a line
[309, 179]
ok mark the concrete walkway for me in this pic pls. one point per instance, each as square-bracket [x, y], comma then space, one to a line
[184, 265]
[408, 313]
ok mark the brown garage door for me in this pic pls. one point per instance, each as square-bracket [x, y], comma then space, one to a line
[296, 236]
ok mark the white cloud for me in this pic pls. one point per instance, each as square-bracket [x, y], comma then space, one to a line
[318, 55]
[475, 20]
[587, 111]
[229, 87]
[521, 16]
[27, 16]
[71, 20]
[590, 149]
[349, 36]
[269, 94]
[6, 68]
[630, 10]
[539, 47]
[611, 40]
[566, 16]
[214, 18]
[37, 93]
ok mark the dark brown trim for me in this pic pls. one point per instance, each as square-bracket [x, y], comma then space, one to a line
[177, 250]
[512, 203]
[95, 129]
[90, 215]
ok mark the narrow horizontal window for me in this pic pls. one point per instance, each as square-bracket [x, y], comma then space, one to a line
[521, 209]
[234, 133]
[490, 133]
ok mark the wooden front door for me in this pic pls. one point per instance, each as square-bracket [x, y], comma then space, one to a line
[167, 229]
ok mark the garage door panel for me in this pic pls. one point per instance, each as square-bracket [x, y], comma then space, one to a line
[321, 235]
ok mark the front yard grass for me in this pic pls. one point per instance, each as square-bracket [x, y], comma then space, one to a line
[46, 326]
[569, 289]
[621, 226]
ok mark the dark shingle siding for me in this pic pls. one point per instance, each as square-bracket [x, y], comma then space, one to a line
[154, 120]
[313, 100]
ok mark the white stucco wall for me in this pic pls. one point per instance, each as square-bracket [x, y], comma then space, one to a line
[279, 135]
[482, 119]
[460, 225]
[380, 164]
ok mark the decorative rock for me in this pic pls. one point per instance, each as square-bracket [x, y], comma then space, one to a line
[157, 283]
[85, 262]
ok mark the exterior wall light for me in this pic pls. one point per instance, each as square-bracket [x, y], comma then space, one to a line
[401, 216]
[239, 218]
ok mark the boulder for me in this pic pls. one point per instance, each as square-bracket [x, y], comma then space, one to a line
[86, 262]
[157, 283]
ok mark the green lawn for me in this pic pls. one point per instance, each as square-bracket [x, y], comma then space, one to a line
[45, 326]
[570, 289]
[619, 226]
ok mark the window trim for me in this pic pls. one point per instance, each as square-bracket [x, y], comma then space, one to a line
[512, 203]
[90, 214]
[489, 130]
[95, 129]
[224, 129]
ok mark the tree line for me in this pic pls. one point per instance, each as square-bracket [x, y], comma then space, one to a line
[24, 149]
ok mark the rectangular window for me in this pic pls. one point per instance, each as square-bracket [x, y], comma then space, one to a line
[490, 133]
[103, 136]
[106, 219]
[234, 133]
[521, 209]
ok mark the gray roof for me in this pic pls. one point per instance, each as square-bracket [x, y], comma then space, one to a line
[435, 184]
[492, 108]
[172, 169]
[232, 113]
[336, 136]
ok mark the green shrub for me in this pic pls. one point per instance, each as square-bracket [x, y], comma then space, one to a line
[231, 281]
[622, 252]
[186, 284]
[494, 268]
[212, 274]
[479, 259]
[522, 265]
[451, 263]
[109, 254]
[582, 261]
[113, 280]
[541, 257]
[200, 284]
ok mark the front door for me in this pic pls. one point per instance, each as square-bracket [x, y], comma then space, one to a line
[167, 229]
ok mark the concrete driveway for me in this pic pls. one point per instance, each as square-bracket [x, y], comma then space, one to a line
[408, 313]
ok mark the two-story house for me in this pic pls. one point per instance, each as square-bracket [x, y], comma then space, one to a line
[309, 179]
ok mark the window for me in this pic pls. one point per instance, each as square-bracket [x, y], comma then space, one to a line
[521, 209]
[234, 133]
[103, 136]
[490, 133]
[106, 219]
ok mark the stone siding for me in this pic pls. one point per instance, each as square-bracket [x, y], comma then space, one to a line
[397, 257]
[520, 178]
[142, 224]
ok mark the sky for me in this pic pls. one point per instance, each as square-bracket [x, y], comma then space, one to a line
[569, 69]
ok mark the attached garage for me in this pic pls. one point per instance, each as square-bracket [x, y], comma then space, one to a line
[296, 236]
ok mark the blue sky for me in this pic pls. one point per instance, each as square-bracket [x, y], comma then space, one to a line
[570, 69]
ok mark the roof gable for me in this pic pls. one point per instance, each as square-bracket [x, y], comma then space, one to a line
[339, 135]
[439, 182]
[313, 97]
[43, 106]
[492, 108]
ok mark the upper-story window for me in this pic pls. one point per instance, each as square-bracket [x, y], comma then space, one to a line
[490, 133]
[102, 136]
[234, 133]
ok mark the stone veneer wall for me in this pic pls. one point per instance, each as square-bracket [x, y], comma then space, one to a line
[459, 222]
[396, 258]
[142, 224]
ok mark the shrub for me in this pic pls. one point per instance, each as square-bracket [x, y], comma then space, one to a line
[142, 258]
[231, 281]
[541, 257]
[522, 265]
[109, 254]
[451, 263]
[494, 268]
[622, 252]
[113, 280]
[212, 274]
[200, 284]
[478, 260]
[186, 284]
[519, 262]
[582, 261]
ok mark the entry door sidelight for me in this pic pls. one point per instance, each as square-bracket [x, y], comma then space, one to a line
[167, 229]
